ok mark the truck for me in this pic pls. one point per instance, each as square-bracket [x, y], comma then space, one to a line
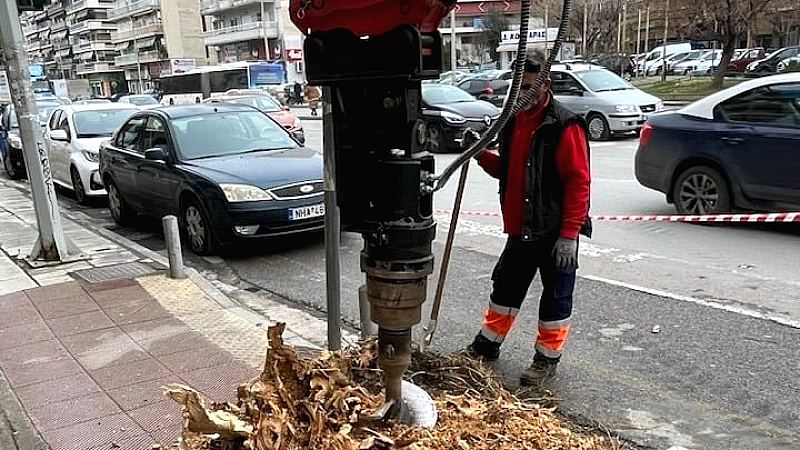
[72, 89]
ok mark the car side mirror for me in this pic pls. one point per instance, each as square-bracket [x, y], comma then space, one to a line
[155, 154]
[59, 135]
[300, 137]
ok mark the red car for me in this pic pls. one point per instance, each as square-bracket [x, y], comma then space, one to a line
[749, 55]
[266, 104]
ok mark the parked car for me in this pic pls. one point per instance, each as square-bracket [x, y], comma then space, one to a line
[489, 89]
[789, 65]
[609, 103]
[140, 100]
[736, 148]
[739, 63]
[769, 65]
[229, 172]
[708, 63]
[660, 52]
[10, 141]
[92, 101]
[447, 112]
[266, 104]
[73, 136]
[684, 56]
[700, 61]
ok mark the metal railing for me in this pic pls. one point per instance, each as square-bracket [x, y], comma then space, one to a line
[127, 9]
[212, 6]
[243, 27]
[139, 32]
[142, 57]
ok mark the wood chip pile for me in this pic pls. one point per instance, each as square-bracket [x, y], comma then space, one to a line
[321, 403]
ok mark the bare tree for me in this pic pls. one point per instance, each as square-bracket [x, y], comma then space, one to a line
[725, 21]
[783, 14]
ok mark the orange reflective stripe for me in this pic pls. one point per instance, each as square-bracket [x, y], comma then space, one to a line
[497, 323]
[553, 338]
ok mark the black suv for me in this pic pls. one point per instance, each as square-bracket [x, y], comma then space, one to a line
[769, 65]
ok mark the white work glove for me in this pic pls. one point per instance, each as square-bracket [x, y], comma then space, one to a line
[565, 253]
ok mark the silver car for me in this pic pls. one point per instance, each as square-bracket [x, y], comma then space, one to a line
[608, 103]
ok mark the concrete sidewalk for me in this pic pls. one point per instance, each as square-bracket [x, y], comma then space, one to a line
[85, 347]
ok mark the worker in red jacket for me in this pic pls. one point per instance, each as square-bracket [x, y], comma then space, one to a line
[542, 163]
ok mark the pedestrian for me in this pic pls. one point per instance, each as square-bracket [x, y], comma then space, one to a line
[312, 94]
[542, 164]
[298, 93]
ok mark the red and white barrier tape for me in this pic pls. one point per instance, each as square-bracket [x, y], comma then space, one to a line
[760, 217]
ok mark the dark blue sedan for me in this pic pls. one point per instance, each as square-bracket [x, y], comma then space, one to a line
[228, 172]
[738, 148]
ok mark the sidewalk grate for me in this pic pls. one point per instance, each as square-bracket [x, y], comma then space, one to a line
[126, 270]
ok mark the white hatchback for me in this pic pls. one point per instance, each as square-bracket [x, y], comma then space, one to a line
[73, 135]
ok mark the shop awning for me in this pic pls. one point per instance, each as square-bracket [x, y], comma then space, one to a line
[507, 48]
[63, 53]
[58, 35]
[87, 56]
[124, 46]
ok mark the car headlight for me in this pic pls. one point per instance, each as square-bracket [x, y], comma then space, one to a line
[626, 108]
[452, 117]
[14, 141]
[752, 65]
[243, 193]
[91, 156]
[659, 106]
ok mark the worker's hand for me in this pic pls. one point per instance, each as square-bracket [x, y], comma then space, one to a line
[469, 138]
[565, 253]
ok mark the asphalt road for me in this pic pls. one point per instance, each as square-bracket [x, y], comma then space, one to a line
[720, 373]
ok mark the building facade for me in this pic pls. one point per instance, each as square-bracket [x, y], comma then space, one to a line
[252, 30]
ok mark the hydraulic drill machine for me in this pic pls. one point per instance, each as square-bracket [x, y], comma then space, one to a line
[373, 56]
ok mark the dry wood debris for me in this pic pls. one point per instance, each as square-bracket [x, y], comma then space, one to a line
[321, 403]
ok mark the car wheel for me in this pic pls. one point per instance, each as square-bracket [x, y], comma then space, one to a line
[598, 127]
[701, 190]
[77, 186]
[12, 171]
[435, 139]
[120, 211]
[198, 228]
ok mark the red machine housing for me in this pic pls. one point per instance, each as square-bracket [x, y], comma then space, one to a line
[368, 17]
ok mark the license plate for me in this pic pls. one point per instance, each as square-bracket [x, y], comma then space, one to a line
[307, 212]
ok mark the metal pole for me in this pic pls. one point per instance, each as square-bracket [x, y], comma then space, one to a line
[453, 59]
[585, 29]
[638, 41]
[264, 30]
[173, 237]
[333, 293]
[666, 34]
[619, 31]
[546, 20]
[51, 243]
[647, 32]
[625, 28]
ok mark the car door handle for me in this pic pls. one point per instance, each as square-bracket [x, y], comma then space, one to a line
[732, 140]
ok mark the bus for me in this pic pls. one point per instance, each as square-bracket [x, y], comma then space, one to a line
[203, 82]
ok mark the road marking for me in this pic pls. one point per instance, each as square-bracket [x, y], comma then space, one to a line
[684, 298]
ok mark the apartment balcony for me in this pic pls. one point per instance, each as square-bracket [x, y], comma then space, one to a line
[34, 46]
[94, 67]
[58, 26]
[55, 8]
[241, 33]
[93, 46]
[135, 6]
[61, 45]
[29, 30]
[93, 4]
[143, 57]
[90, 25]
[211, 7]
[138, 32]
[43, 24]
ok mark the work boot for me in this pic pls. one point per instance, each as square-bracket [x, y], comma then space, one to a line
[541, 371]
[482, 348]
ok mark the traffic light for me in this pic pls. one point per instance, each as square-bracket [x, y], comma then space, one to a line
[31, 5]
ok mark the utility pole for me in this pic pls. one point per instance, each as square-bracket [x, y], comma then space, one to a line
[546, 21]
[264, 23]
[625, 28]
[453, 59]
[619, 31]
[638, 40]
[585, 29]
[666, 35]
[51, 244]
[135, 47]
[647, 32]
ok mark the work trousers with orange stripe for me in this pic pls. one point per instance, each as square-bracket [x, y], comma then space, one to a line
[511, 279]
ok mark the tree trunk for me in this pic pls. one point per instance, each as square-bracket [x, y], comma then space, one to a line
[727, 53]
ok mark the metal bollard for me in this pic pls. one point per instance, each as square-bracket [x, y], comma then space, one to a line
[173, 237]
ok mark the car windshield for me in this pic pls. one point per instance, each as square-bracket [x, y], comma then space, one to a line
[43, 108]
[601, 80]
[141, 100]
[261, 102]
[435, 94]
[229, 133]
[99, 123]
